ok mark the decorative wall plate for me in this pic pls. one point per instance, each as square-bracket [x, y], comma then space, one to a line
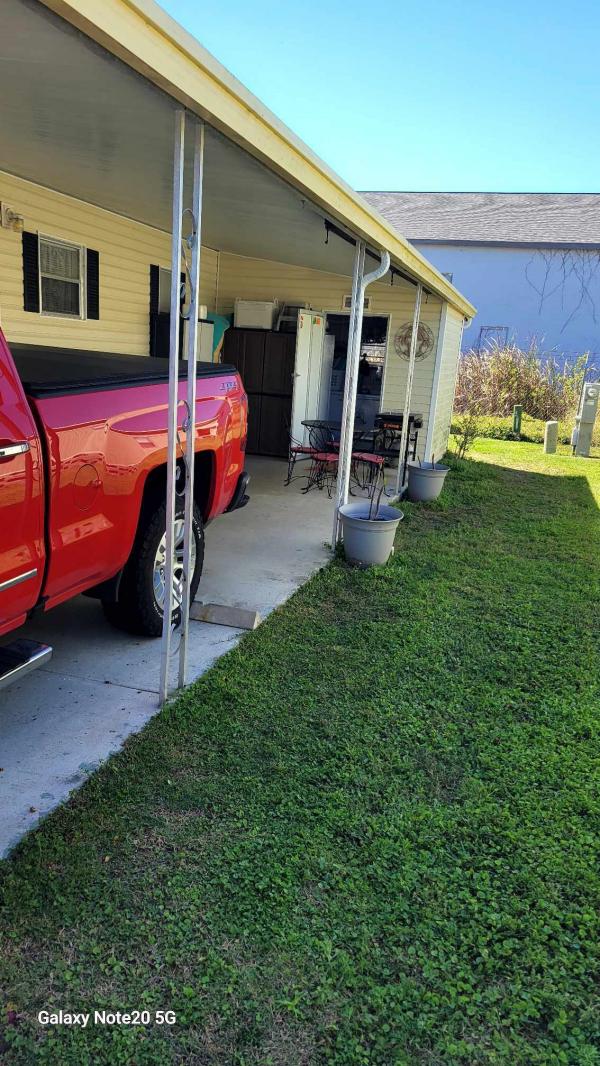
[425, 341]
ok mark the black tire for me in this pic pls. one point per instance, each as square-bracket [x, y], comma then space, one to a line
[137, 609]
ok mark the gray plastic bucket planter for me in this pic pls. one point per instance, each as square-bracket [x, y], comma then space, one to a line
[426, 481]
[368, 541]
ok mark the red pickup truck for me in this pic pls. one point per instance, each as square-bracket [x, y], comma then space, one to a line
[83, 451]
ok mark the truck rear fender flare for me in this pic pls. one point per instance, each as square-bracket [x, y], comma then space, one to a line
[155, 487]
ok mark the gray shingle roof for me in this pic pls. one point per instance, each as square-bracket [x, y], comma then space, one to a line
[528, 218]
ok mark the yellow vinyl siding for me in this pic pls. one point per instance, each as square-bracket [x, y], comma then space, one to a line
[258, 279]
[447, 382]
[127, 249]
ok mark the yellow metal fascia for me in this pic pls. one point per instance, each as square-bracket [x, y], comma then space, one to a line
[147, 39]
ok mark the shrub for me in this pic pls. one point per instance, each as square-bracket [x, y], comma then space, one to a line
[500, 377]
[466, 429]
[501, 428]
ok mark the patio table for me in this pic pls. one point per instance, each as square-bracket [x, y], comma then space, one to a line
[333, 424]
[333, 428]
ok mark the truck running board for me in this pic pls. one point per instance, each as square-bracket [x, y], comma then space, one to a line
[20, 657]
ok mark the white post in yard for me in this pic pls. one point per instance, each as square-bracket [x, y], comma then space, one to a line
[550, 437]
[178, 164]
[192, 359]
[351, 380]
[408, 394]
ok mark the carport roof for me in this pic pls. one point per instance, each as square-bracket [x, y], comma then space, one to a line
[149, 42]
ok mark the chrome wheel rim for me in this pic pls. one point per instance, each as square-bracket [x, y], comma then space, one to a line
[158, 576]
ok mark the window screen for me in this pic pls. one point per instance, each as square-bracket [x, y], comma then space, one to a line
[60, 278]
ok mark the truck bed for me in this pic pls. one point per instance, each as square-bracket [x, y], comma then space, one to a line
[46, 371]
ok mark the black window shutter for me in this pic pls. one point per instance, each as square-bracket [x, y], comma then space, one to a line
[154, 273]
[159, 320]
[31, 272]
[93, 283]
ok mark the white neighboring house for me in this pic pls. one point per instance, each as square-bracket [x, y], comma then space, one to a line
[529, 261]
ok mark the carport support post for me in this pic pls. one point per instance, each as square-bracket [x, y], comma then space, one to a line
[409, 385]
[192, 358]
[351, 381]
[178, 164]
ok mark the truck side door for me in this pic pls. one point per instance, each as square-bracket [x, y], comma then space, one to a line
[21, 500]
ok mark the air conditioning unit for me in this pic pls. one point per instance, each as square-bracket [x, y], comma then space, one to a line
[347, 303]
[254, 314]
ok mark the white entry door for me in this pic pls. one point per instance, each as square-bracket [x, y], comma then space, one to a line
[307, 371]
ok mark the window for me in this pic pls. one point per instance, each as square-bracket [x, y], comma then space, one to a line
[160, 311]
[164, 291]
[60, 278]
[347, 303]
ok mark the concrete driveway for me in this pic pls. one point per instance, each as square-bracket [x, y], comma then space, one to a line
[61, 722]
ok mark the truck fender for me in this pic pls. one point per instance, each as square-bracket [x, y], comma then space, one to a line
[154, 490]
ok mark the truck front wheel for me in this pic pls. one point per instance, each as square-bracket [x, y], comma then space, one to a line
[140, 603]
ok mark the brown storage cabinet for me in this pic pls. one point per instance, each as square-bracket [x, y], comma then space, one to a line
[265, 360]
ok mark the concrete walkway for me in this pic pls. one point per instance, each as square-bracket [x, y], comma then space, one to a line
[60, 723]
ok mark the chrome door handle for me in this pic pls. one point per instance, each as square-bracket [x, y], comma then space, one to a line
[8, 450]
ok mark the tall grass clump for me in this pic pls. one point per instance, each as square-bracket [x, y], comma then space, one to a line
[496, 378]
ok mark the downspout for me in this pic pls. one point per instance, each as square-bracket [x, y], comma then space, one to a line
[360, 284]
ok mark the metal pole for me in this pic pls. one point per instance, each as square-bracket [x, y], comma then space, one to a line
[192, 358]
[178, 163]
[435, 387]
[353, 358]
[409, 384]
[359, 263]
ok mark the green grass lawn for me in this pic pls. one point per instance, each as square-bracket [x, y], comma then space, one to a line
[369, 834]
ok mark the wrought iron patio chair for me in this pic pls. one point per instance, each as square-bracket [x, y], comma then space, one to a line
[321, 438]
[297, 452]
[365, 469]
[323, 471]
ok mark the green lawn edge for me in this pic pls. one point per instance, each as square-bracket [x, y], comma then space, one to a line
[368, 834]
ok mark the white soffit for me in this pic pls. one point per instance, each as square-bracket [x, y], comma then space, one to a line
[75, 119]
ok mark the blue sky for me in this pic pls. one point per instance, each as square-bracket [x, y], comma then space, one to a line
[424, 95]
